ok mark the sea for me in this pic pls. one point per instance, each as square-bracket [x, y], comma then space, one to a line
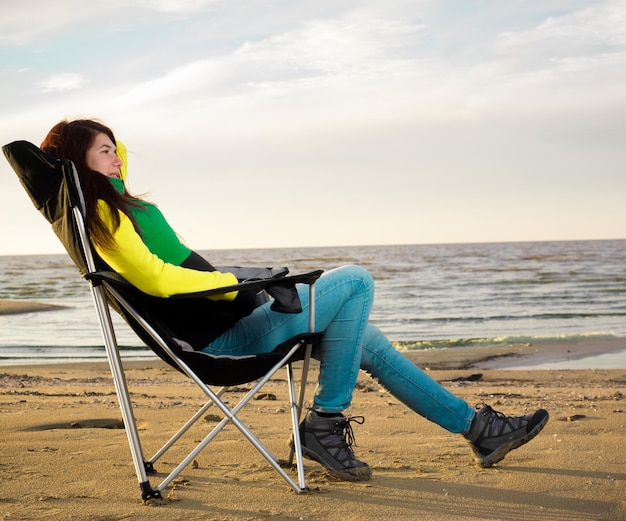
[438, 296]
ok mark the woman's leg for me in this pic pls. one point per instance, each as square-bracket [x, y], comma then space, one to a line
[491, 434]
[343, 302]
[412, 386]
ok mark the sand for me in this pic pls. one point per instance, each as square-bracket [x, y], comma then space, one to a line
[64, 456]
[11, 307]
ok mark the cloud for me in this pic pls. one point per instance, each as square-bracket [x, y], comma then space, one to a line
[325, 70]
[363, 63]
[569, 61]
[357, 43]
[62, 83]
[176, 6]
[30, 21]
[584, 30]
[322, 52]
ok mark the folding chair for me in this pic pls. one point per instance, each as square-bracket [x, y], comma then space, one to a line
[54, 188]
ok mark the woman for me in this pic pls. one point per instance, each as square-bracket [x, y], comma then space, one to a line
[132, 236]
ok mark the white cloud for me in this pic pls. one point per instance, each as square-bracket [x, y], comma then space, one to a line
[326, 71]
[356, 43]
[361, 49]
[176, 6]
[599, 25]
[62, 82]
[573, 61]
[29, 21]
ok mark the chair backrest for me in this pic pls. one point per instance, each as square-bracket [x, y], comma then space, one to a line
[52, 185]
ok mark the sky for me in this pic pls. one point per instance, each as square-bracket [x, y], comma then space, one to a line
[269, 123]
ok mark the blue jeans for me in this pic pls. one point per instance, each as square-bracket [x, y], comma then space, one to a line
[343, 302]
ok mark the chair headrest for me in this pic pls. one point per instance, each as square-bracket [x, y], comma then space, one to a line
[41, 176]
[52, 186]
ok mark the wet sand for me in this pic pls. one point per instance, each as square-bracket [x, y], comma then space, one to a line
[12, 307]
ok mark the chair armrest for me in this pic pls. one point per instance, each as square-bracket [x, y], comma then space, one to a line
[254, 284]
[98, 277]
[258, 284]
[251, 272]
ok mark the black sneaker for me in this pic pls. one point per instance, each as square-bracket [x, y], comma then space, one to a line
[493, 435]
[329, 442]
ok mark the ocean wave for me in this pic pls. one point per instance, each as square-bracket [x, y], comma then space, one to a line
[446, 343]
[29, 355]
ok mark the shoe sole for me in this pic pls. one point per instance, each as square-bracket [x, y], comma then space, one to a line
[499, 454]
[354, 474]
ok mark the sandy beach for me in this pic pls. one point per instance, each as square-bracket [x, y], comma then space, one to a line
[64, 455]
[11, 307]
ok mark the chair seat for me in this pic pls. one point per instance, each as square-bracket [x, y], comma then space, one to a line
[236, 370]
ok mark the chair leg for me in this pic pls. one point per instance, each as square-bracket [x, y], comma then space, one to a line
[303, 381]
[295, 429]
[121, 389]
[148, 493]
[300, 402]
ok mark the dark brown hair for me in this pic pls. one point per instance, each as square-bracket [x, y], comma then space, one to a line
[71, 140]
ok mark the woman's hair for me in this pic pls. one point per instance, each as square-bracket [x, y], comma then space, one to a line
[71, 140]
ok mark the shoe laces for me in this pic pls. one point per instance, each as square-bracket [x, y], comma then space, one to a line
[490, 413]
[344, 430]
[499, 423]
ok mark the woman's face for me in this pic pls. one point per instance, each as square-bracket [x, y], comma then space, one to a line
[101, 156]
